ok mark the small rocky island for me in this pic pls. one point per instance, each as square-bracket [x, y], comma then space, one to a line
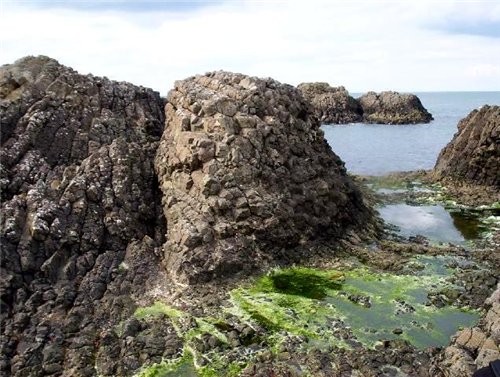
[331, 105]
[215, 233]
[334, 105]
[393, 108]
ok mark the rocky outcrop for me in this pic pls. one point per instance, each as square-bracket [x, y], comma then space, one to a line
[247, 176]
[242, 173]
[81, 218]
[473, 348]
[331, 105]
[393, 108]
[473, 155]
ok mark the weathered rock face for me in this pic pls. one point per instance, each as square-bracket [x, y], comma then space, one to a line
[245, 174]
[473, 155]
[331, 105]
[393, 108]
[80, 218]
[474, 348]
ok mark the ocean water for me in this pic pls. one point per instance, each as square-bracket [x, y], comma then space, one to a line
[376, 149]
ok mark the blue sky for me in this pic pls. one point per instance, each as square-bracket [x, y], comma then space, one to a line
[406, 45]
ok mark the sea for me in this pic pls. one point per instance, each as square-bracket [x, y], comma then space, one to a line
[378, 149]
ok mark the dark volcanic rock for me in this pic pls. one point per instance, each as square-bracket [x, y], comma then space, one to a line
[393, 108]
[80, 214]
[331, 105]
[247, 176]
[473, 155]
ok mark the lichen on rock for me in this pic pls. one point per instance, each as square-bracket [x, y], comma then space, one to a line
[247, 176]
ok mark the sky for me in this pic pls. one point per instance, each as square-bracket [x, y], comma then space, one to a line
[404, 45]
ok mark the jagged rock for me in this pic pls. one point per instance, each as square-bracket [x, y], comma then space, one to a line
[247, 176]
[332, 105]
[393, 108]
[474, 348]
[473, 155]
[80, 201]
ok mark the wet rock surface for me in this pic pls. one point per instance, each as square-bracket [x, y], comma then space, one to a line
[393, 108]
[80, 215]
[474, 348]
[473, 155]
[332, 105]
[247, 176]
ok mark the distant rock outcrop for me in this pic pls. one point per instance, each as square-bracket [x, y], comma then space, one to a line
[332, 105]
[246, 175]
[393, 108]
[473, 155]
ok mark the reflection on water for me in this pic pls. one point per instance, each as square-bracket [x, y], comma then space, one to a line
[468, 225]
[431, 221]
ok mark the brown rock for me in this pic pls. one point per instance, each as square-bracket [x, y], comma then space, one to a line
[332, 105]
[393, 108]
[272, 184]
[473, 155]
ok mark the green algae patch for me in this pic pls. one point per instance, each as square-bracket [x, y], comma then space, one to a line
[156, 310]
[337, 308]
[300, 281]
[182, 367]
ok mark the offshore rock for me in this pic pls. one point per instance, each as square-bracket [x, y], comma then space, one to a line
[80, 217]
[393, 108]
[332, 105]
[473, 155]
[247, 177]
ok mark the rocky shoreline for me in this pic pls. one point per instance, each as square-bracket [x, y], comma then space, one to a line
[223, 237]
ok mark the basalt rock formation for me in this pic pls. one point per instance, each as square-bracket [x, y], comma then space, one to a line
[393, 108]
[246, 174]
[473, 155]
[81, 218]
[331, 105]
[102, 205]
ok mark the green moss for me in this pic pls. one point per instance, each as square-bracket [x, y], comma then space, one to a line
[157, 309]
[182, 367]
[300, 281]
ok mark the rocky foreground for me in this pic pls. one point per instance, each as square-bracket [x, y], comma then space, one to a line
[132, 226]
[100, 203]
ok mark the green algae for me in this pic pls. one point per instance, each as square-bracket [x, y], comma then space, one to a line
[326, 308]
[300, 281]
[157, 309]
[371, 305]
[182, 367]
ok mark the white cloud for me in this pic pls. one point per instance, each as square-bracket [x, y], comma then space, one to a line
[360, 44]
